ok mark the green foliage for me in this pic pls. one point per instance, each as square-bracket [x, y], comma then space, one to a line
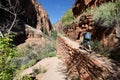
[24, 66]
[104, 14]
[117, 4]
[117, 9]
[32, 53]
[97, 47]
[27, 77]
[29, 55]
[48, 49]
[31, 62]
[52, 54]
[54, 35]
[7, 53]
[67, 18]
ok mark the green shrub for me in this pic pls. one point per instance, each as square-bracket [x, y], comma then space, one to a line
[54, 35]
[23, 67]
[27, 77]
[31, 63]
[117, 3]
[117, 9]
[97, 47]
[7, 53]
[32, 53]
[16, 62]
[104, 14]
[49, 47]
[67, 18]
[52, 54]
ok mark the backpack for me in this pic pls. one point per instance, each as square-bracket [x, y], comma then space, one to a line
[87, 35]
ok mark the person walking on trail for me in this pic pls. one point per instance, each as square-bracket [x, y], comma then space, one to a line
[81, 39]
[87, 38]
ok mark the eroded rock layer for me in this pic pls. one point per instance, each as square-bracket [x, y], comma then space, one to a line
[17, 13]
[85, 66]
[81, 5]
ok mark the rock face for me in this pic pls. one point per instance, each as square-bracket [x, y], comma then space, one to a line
[43, 21]
[59, 26]
[83, 65]
[74, 30]
[106, 35]
[17, 13]
[81, 5]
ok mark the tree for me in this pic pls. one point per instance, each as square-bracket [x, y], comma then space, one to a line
[9, 12]
[68, 17]
[7, 52]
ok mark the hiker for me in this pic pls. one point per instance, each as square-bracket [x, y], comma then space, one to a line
[81, 38]
[87, 38]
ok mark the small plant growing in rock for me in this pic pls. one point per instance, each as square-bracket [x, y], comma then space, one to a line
[27, 77]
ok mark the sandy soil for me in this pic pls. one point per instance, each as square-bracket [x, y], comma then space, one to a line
[54, 66]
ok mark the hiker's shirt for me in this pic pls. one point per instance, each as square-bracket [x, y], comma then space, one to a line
[87, 38]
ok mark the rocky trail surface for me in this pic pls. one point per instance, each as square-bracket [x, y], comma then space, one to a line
[85, 65]
[54, 69]
[75, 61]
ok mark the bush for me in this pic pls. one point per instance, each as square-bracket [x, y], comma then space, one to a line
[67, 18]
[97, 47]
[48, 49]
[104, 14]
[7, 53]
[117, 4]
[16, 62]
[52, 54]
[54, 35]
[27, 77]
[23, 67]
[32, 53]
[31, 63]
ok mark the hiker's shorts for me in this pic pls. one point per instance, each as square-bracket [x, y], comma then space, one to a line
[87, 42]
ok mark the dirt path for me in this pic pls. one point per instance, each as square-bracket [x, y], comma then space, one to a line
[55, 70]
[54, 66]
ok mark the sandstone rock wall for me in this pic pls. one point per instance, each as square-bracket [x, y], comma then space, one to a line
[80, 64]
[43, 20]
[106, 35]
[17, 13]
[81, 5]
[58, 26]
[74, 30]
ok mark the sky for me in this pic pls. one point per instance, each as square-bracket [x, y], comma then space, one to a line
[56, 8]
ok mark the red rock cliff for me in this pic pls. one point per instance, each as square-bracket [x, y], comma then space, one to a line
[17, 13]
[81, 5]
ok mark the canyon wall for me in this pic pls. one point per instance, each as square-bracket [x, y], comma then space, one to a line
[17, 13]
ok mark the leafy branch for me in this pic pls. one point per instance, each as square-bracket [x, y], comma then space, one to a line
[13, 10]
